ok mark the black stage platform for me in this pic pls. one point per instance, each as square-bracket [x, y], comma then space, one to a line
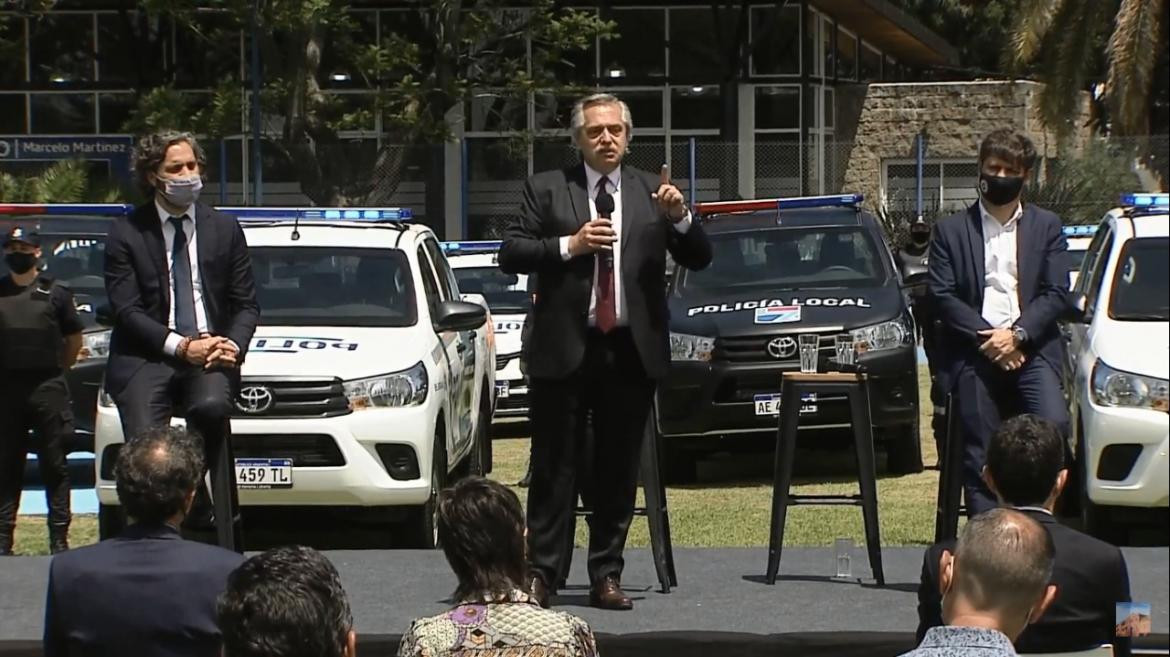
[721, 607]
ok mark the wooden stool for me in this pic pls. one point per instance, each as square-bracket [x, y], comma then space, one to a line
[950, 479]
[855, 387]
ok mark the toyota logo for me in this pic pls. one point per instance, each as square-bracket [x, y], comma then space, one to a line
[254, 400]
[783, 347]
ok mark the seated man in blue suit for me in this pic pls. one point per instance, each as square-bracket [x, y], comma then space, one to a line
[998, 287]
[147, 592]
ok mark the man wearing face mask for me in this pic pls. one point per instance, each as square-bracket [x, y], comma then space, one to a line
[40, 337]
[183, 299]
[998, 286]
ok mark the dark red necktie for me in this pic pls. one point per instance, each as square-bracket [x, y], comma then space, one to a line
[606, 308]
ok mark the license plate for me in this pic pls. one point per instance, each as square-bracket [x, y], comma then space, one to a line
[263, 473]
[502, 389]
[770, 404]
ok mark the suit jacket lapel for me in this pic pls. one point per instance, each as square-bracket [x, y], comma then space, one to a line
[156, 247]
[975, 244]
[575, 178]
[631, 207]
[1025, 234]
[205, 242]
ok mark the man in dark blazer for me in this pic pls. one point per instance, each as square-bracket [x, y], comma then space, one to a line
[998, 288]
[1025, 469]
[179, 280]
[596, 234]
[147, 592]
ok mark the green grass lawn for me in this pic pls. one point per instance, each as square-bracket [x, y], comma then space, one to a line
[729, 507]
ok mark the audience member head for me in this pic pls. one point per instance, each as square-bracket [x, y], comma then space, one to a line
[481, 530]
[1025, 462]
[286, 602]
[157, 473]
[998, 577]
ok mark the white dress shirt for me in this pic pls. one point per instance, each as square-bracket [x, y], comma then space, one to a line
[168, 230]
[1001, 294]
[614, 187]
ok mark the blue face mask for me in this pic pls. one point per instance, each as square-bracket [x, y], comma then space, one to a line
[181, 192]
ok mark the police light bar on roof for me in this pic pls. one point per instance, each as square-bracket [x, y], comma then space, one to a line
[792, 203]
[1142, 200]
[475, 246]
[67, 209]
[1080, 231]
[318, 214]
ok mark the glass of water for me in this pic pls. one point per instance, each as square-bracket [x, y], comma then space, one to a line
[810, 346]
[846, 351]
[844, 549]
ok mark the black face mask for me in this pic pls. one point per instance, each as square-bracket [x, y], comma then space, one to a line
[1000, 190]
[20, 263]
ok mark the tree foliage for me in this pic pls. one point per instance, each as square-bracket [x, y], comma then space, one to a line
[65, 181]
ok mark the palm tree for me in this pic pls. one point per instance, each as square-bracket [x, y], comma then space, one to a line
[1063, 41]
[66, 181]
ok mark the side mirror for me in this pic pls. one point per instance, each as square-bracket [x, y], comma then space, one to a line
[1078, 308]
[459, 316]
[104, 315]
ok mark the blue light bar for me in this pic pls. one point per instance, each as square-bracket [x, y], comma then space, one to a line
[832, 201]
[67, 209]
[475, 246]
[1143, 200]
[318, 214]
[1080, 231]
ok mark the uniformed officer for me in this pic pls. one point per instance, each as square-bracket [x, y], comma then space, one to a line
[40, 337]
[912, 259]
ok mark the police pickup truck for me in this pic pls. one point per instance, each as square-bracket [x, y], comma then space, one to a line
[783, 268]
[507, 296]
[367, 385]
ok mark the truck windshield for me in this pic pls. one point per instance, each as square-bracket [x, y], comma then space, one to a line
[505, 293]
[316, 286]
[804, 258]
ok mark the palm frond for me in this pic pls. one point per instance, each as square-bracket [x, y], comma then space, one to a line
[1035, 19]
[1068, 53]
[1133, 54]
[64, 182]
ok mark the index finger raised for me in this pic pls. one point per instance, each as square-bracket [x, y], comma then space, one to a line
[664, 176]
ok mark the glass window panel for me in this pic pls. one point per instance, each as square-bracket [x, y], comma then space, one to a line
[778, 107]
[12, 114]
[828, 54]
[490, 111]
[638, 53]
[232, 165]
[697, 107]
[120, 53]
[846, 55]
[344, 47]
[648, 153]
[830, 108]
[871, 64]
[553, 153]
[497, 159]
[554, 111]
[62, 49]
[63, 114]
[890, 70]
[114, 111]
[776, 40]
[12, 49]
[778, 163]
[645, 107]
[694, 53]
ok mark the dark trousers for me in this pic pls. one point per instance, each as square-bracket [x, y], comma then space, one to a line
[41, 404]
[204, 397]
[986, 395]
[610, 388]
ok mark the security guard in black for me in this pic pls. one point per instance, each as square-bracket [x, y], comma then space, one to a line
[40, 337]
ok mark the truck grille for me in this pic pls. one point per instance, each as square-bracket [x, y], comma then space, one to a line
[754, 349]
[307, 450]
[502, 360]
[290, 397]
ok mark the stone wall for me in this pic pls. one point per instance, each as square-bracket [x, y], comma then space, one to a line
[882, 120]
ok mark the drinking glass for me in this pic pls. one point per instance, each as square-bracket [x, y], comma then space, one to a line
[846, 351]
[810, 346]
[844, 550]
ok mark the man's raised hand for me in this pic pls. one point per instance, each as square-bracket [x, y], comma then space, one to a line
[670, 199]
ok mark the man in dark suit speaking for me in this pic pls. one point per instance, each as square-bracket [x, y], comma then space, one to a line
[179, 280]
[596, 234]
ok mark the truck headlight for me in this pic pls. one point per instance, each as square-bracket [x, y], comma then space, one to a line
[405, 388]
[95, 345]
[887, 335]
[691, 347]
[1122, 389]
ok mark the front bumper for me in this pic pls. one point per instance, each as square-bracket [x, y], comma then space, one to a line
[700, 399]
[1126, 451]
[336, 459]
[511, 389]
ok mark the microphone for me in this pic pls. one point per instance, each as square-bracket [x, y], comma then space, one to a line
[605, 206]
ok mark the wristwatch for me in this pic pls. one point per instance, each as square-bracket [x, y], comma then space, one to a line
[1019, 334]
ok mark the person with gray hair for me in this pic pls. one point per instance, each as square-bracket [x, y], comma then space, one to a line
[997, 582]
[148, 591]
[596, 234]
[183, 302]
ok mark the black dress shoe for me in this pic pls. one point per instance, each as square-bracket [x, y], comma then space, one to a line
[607, 594]
[539, 590]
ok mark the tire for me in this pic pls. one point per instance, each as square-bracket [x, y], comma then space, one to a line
[904, 450]
[484, 440]
[420, 527]
[111, 521]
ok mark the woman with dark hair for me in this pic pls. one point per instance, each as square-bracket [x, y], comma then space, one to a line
[481, 530]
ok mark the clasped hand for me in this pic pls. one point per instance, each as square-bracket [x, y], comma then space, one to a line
[1002, 348]
[211, 351]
